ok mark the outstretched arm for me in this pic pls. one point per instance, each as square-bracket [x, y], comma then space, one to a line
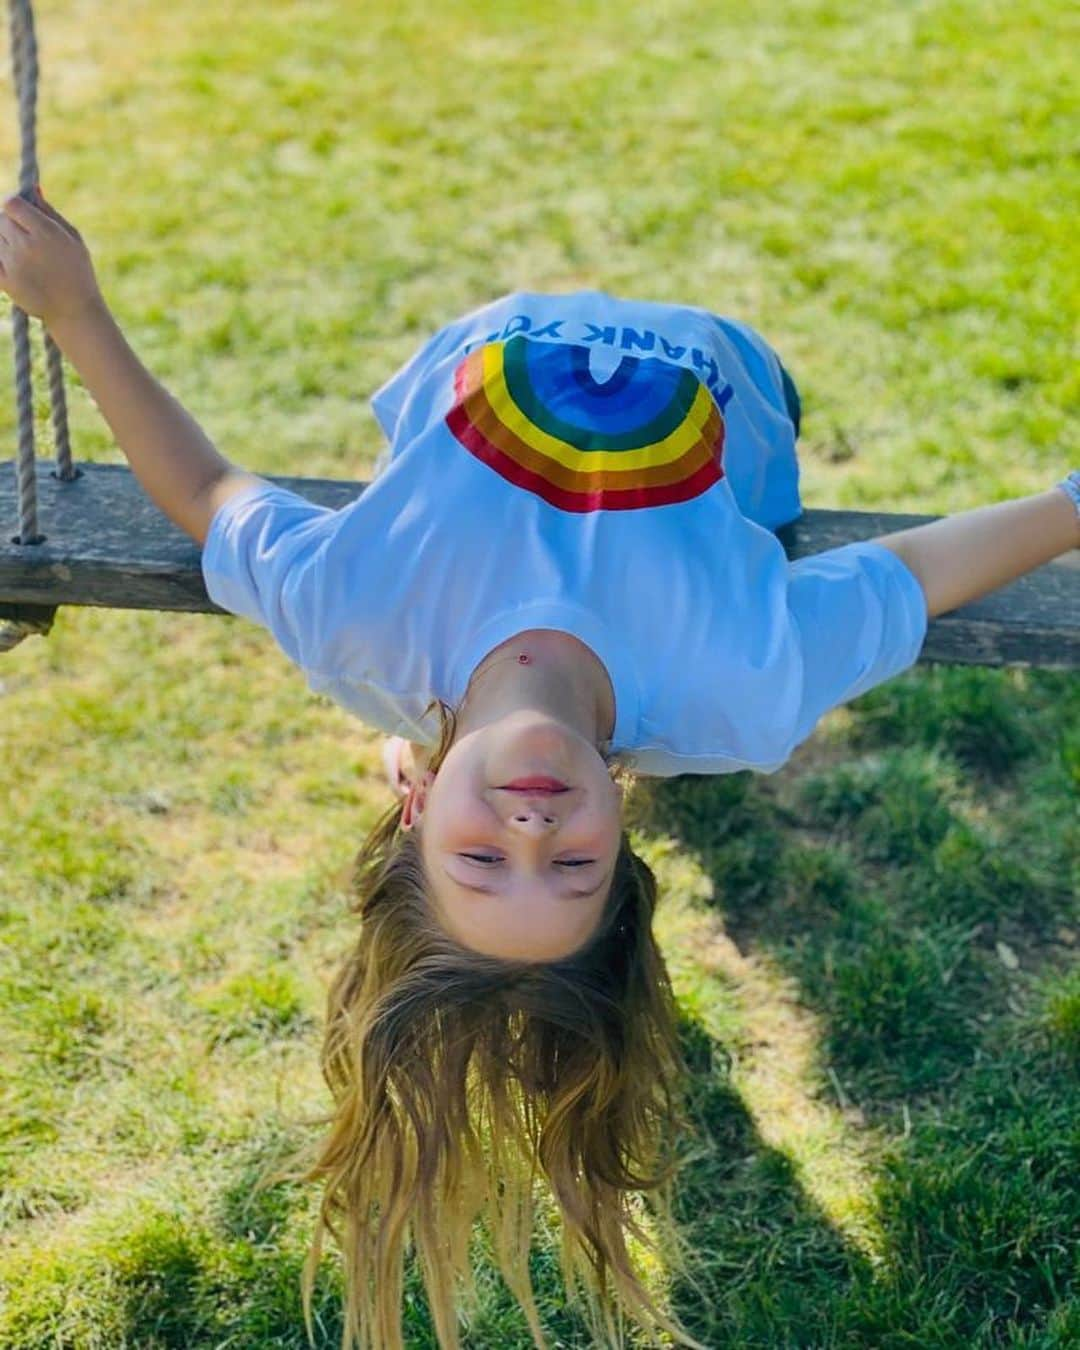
[961, 557]
[177, 464]
[46, 269]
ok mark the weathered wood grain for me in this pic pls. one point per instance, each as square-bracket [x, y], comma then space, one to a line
[107, 544]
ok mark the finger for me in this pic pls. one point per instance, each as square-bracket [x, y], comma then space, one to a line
[43, 209]
[18, 211]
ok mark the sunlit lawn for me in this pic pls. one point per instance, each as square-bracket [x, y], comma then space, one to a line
[874, 949]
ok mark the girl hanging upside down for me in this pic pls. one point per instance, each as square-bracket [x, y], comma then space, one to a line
[565, 573]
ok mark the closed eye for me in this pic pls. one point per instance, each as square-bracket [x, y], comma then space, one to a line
[487, 859]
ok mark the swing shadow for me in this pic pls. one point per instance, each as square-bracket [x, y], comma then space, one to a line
[974, 1185]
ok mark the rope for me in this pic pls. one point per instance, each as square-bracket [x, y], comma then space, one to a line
[24, 58]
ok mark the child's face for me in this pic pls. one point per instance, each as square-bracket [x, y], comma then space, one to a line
[544, 861]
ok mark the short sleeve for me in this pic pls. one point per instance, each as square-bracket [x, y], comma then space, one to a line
[262, 560]
[861, 615]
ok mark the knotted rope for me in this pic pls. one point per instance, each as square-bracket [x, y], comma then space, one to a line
[24, 59]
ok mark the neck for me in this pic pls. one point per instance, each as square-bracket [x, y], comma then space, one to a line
[559, 676]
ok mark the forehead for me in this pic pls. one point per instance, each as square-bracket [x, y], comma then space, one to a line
[537, 935]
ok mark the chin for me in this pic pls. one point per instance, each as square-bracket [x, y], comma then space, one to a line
[541, 736]
[544, 748]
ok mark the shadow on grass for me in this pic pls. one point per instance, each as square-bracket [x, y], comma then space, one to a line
[977, 1207]
[888, 892]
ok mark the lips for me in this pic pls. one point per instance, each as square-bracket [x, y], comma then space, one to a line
[536, 784]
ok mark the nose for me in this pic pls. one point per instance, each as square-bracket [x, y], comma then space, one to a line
[534, 817]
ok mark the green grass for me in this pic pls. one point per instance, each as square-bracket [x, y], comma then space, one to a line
[874, 949]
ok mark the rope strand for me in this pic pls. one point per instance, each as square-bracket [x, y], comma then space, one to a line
[24, 59]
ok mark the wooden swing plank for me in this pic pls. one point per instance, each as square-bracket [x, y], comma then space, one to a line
[107, 544]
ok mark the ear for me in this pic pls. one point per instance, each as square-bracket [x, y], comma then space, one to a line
[415, 801]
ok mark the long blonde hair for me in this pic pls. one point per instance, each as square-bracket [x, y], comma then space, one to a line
[459, 1077]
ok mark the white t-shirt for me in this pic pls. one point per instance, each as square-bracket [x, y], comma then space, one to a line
[588, 464]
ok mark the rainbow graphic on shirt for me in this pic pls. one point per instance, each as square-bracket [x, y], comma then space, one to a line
[649, 435]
